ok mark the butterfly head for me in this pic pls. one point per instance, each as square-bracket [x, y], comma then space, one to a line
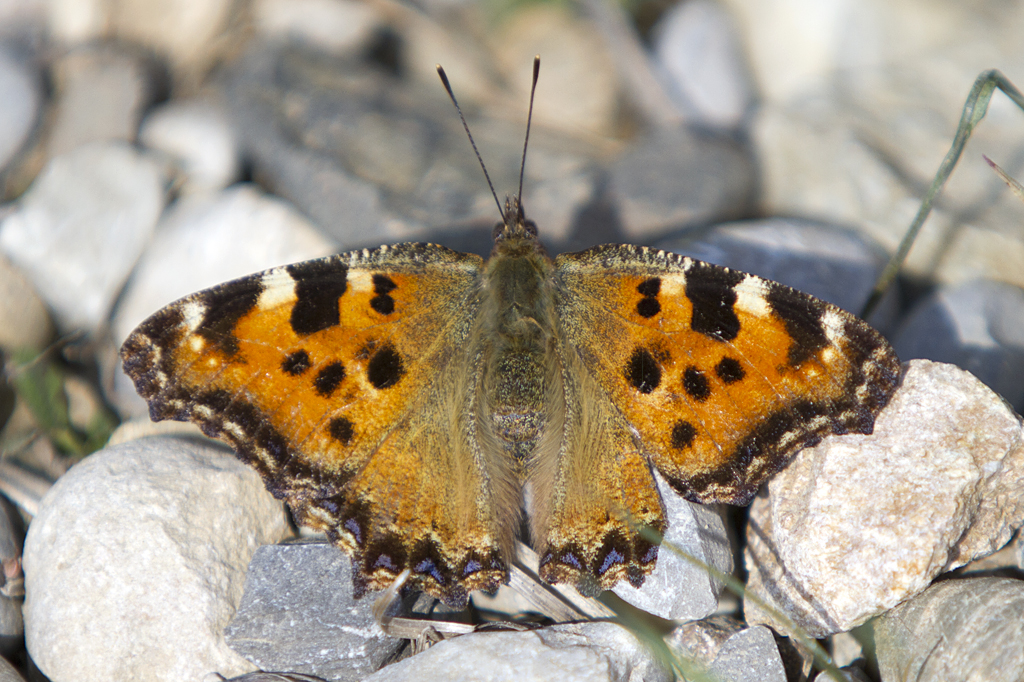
[514, 228]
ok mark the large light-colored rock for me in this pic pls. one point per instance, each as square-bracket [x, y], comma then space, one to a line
[82, 224]
[137, 559]
[858, 524]
[580, 652]
[967, 629]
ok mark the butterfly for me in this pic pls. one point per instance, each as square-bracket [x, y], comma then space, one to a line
[414, 402]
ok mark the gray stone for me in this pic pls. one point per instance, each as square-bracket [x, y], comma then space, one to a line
[80, 227]
[699, 50]
[24, 319]
[830, 262]
[298, 615]
[101, 93]
[198, 136]
[858, 523]
[20, 97]
[580, 652]
[678, 589]
[977, 326]
[137, 559]
[969, 629]
[723, 649]
[676, 177]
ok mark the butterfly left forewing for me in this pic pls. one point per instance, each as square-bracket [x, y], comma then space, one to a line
[317, 374]
[720, 376]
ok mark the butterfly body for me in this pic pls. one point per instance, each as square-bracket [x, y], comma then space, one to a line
[413, 402]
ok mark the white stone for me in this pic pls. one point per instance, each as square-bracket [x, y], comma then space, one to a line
[198, 136]
[137, 559]
[699, 51]
[581, 652]
[339, 26]
[859, 523]
[19, 105]
[82, 224]
[679, 589]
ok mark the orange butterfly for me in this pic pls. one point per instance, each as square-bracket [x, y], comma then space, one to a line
[403, 399]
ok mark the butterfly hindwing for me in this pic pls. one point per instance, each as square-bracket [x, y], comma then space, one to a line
[316, 373]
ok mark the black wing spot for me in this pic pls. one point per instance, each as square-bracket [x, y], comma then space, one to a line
[328, 379]
[385, 368]
[296, 363]
[383, 303]
[712, 294]
[730, 370]
[683, 434]
[649, 306]
[696, 384]
[224, 307]
[341, 430]
[643, 371]
[318, 286]
[649, 288]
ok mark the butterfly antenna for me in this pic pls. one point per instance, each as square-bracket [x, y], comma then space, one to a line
[529, 120]
[448, 87]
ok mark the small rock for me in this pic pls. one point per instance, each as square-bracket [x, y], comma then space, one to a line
[725, 650]
[580, 652]
[835, 264]
[698, 48]
[298, 614]
[161, 531]
[339, 26]
[101, 93]
[205, 240]
[677, 177]
[24, 319]
[577, 89]
[8, 673]
[968, 629]
[862, 523]
[678, 589]
[198, 136]
[20, 97]
[977, 326]
[80, 227]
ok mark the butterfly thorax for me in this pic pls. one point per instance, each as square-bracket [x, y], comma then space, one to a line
[518, 328]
